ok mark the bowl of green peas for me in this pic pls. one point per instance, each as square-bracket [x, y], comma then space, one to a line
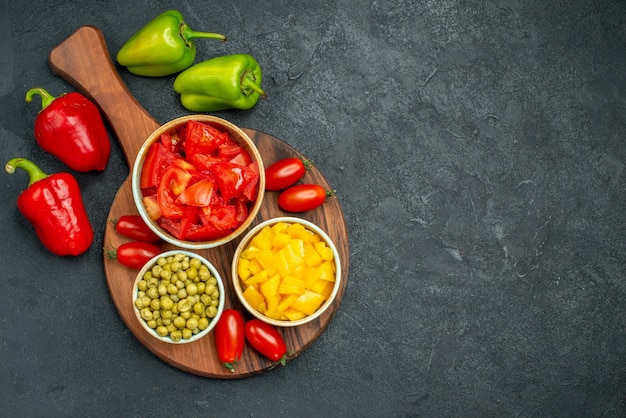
[178, 296]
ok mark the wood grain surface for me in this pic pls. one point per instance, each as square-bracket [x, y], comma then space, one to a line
[84, 61]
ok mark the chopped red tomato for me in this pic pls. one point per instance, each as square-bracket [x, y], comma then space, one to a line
[223, 217]
[198, 194]
[206, 233]
[173, 182]
[232, 179]
[201, 138]
[157, 160]
[172, 142]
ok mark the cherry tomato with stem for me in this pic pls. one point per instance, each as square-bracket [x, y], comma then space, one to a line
[229, 338]
[285, 173]
[134, 254]
[265, 339]
[134, 227]
[303, 197]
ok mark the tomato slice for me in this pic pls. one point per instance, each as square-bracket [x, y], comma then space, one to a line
[250, 189]
[157, 160]
[172, 142]
[228, 149]
[201, 138]
[230, 179]
[204, 162]
[198, 194]
[242, 211]
[205, 232]
[173, 182]
[223, 217]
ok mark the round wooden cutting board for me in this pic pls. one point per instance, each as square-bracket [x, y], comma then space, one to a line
[84, 61]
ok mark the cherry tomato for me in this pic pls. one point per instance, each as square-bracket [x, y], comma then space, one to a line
[266, 340]
[303, 197]
[229, 338]
[133, 227]
[135, 254]
[285, 173]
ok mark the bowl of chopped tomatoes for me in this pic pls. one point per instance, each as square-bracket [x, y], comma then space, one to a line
[198, 181]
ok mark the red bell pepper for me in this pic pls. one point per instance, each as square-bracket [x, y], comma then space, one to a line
[71, 128]
[54, 206]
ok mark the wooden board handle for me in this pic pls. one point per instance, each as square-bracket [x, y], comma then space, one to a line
[83, 60]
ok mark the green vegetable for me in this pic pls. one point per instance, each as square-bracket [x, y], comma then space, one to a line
[175, 307]
[162, 47]
[226, 82]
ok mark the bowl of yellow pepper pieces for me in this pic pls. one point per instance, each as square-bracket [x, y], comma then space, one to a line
[286, 271]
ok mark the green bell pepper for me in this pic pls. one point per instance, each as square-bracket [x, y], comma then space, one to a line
[226, 82]
[162, 47]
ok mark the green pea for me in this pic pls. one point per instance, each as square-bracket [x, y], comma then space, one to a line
[151, 324]
[155, 305]
[146, 314]
[176, 336]
[161, 261]
[180, 322]
[156, 270]
[203, 324]
[198, 308]
[152, 293]
[209, 289]
[166, 303]
[186, 333]
[192, 289]
[142, 285]
[211, 311]
[195, 263]
[184, 305]
[165, 274]
[162, 331]
[175, 266]
[192, 323]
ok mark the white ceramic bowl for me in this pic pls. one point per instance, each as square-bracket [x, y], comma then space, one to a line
[212, 321]
[238, 136]
[239, 290]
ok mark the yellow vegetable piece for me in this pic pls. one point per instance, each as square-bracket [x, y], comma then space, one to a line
[311, 257]
[308, 302]
[291, 286]
[249, 252]
[321, 286]
[297, 247]
[266, 260]
[327, 271]
[243, 268]
[285, 303]
[280, 240]
[269, 288]
[263, 240]
[279, 228]
[254, 298]
[325, 252]
[294, 315]
[255, 266]
[256, 279]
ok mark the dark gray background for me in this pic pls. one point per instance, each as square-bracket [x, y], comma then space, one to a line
[477, 148]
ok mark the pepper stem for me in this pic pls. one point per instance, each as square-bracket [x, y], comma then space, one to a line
[34, 173]
[187, 33]
[46, 98]
[248, 83]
